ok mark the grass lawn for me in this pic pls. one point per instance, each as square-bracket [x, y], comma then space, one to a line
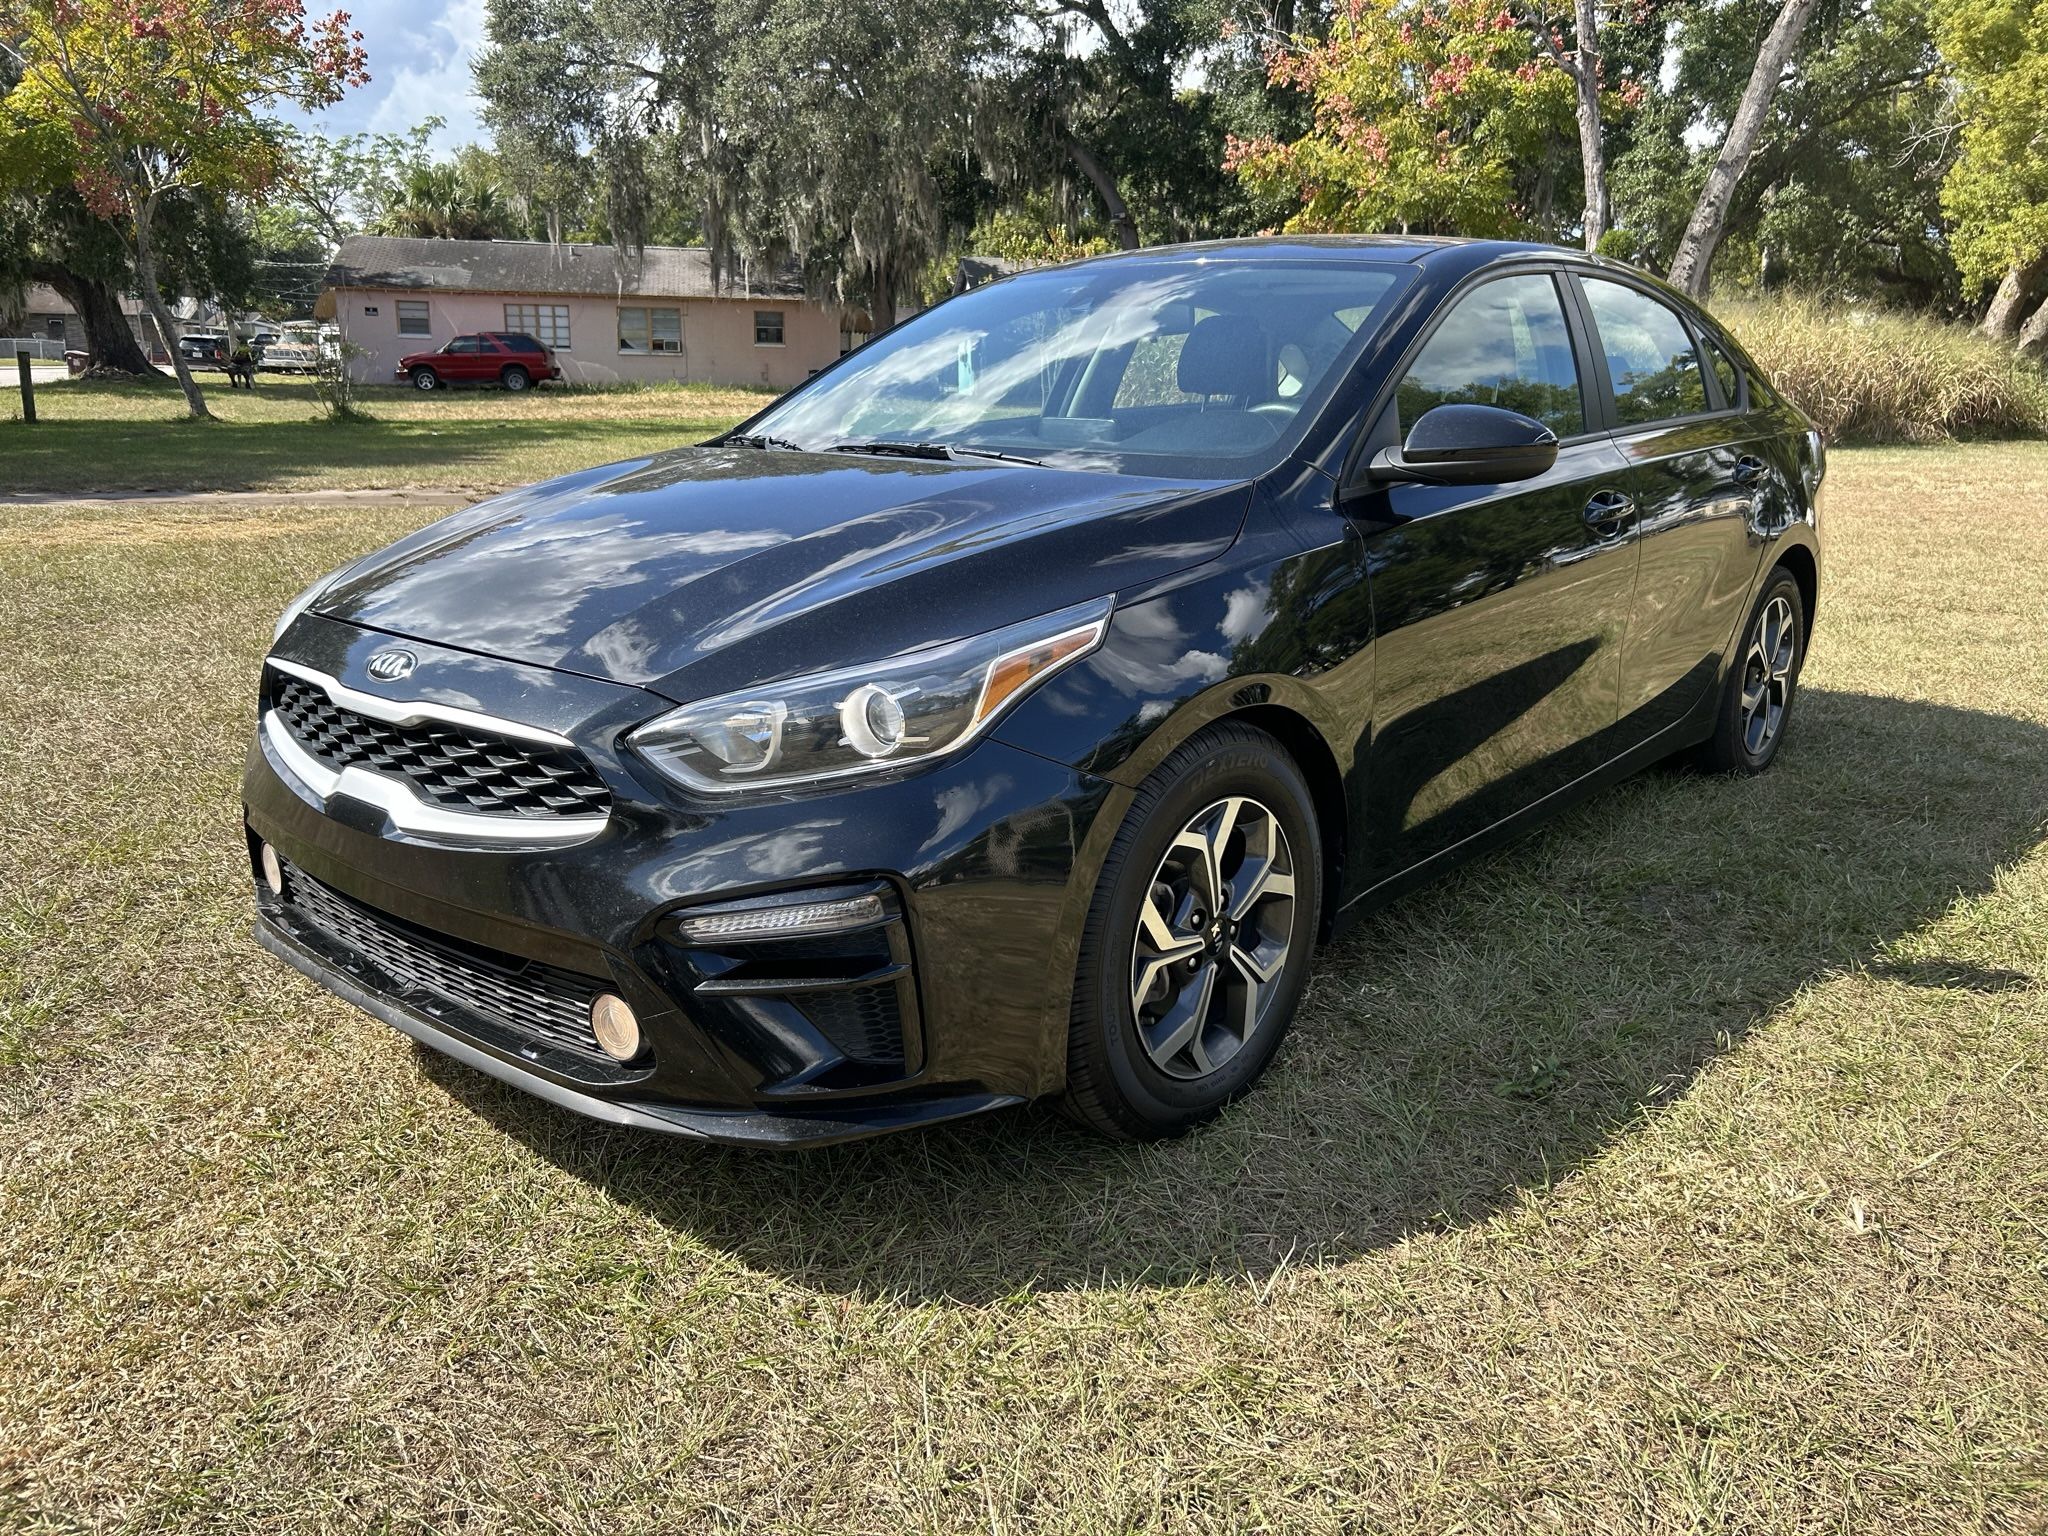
[1682, 1169]
[93, 437]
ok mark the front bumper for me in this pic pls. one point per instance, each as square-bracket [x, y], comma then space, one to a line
[986, 861]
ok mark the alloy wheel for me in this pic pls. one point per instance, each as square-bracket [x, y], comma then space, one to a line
[1213, 938]
[1767, 676]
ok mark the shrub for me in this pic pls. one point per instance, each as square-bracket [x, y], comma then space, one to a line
[1881, 376]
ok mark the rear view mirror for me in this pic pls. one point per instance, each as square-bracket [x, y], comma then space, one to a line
[1469, 445]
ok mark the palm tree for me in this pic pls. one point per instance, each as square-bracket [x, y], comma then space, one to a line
[439, 201]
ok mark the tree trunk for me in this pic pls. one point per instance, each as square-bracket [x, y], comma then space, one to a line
[1710, 216]
[2033, 337]
[882, 298]
[2015, 292]
[108, 337]
[153, 301]
[1105, 186]
[1592, 145]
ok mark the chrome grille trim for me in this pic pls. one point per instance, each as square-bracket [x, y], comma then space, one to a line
[406, 810]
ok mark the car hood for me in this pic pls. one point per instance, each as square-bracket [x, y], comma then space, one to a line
[713, 568]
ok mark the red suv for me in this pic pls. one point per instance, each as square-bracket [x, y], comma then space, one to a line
[503, 357]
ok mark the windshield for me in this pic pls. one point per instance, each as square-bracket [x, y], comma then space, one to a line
[1169, 366]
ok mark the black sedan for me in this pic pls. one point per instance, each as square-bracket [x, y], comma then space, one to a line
[1010, 710]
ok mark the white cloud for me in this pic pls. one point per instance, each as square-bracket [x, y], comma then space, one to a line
[420, 56]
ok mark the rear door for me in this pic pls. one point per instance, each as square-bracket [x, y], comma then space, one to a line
[1499, 610]
[1696, 469]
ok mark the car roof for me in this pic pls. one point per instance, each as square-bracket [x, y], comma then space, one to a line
[1416, 250]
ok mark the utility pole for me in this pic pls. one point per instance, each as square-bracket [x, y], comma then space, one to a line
[28, 385]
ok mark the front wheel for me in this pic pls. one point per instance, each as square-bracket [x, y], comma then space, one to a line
[1756, 700]
[425, 380]
[1196, 949]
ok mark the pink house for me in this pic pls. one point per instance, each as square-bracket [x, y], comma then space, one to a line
[610, 314]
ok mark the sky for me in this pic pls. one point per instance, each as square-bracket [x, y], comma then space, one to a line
[420, 53]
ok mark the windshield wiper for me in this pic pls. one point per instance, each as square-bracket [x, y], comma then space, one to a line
[931, 451]
[762, 440]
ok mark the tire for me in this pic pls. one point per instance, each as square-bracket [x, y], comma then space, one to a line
[425, 380]
[1756, 698]
[1235, 786]
[516, 379]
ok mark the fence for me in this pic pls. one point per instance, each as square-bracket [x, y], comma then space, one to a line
[44, 349]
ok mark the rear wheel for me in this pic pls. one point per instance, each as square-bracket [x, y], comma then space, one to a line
[516, 378]
[425, 379]
[1756, 700]
[1197, 944]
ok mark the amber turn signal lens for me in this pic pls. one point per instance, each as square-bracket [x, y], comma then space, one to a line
[1016, 670]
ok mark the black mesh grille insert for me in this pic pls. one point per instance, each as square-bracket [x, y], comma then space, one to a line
[525, 996]
[864, 1023]
[459, 770]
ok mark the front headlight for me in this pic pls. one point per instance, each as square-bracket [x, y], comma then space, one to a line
[829, 725]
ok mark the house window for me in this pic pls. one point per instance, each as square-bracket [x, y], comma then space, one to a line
[546, 323]
[650, 330]
[412, 318]
[767, 328]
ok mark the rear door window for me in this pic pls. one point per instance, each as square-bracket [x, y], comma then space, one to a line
[1505, 344]
[1651, 361]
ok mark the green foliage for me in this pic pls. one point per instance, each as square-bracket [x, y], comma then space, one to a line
[1429, 116]
[446, 200]
[1882, 376]
[1996, 194]
[1843, 193]
[784, 126]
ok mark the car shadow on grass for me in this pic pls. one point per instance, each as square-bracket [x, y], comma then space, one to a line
[1483, 1037]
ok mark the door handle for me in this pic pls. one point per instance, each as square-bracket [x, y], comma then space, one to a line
[1749, 469]
[1608, 510]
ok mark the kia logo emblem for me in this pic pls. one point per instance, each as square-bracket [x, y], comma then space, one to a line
[390, 666]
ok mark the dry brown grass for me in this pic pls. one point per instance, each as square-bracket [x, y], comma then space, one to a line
[1680, 1170]
[1880, 376]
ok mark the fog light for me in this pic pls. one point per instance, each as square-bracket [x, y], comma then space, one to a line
[787, 920]
[615, 1026]
[273, 870]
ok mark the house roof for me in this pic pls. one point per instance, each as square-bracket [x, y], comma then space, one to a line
[540, 267]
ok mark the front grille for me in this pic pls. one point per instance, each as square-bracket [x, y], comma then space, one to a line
[524, 996]
[460, 770]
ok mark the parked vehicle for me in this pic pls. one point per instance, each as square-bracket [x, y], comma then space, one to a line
[205, 348]
[296, 350]
[1009, 710]
[510, 358]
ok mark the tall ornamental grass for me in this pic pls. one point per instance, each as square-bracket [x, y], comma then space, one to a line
[1879, 376]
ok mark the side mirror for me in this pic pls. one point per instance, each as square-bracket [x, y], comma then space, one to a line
[1469, 445]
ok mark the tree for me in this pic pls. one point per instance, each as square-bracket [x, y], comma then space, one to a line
[1689, 267]
[794, 130]
[53, 238]
[445, 201]
[330, 188]
[1842, 192]
[1996, 194]
[1429, 116]
[142, 99]
[1582, 66]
